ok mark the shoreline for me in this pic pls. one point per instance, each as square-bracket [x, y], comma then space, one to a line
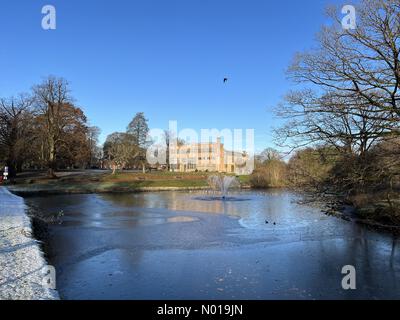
[336, 206]
[26, 192]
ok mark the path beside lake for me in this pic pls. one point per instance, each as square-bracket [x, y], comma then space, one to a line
[21, 259]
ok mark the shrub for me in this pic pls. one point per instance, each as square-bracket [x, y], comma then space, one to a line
[271, 174]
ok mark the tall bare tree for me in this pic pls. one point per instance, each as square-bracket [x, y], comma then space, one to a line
[360, 64]
[93, 141]
[168, 140]
[58, 117]
[348, 100]
[350, 82]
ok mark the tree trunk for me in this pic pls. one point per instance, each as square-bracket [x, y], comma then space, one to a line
[52, 158]
[11, 163]
[50, 173]
[19, 166]
[167, 158]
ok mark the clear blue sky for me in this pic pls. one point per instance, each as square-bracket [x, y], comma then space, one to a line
[166, 58]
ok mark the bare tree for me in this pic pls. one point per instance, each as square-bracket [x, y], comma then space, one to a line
[348, 102]
[15, 130]
[58, 117]
[360, 64]
[93, 141]
[342, 123]
[168, 138]
[350, 82]
[268, 154]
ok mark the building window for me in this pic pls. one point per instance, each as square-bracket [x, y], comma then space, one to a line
[191, 166]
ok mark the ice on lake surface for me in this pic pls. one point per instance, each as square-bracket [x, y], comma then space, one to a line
[175, 245]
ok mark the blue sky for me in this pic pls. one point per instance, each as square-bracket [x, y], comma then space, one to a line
[166, 58]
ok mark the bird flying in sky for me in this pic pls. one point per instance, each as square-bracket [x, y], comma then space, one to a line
[225, 80]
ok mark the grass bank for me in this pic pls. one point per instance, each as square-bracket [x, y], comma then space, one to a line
[91, 181]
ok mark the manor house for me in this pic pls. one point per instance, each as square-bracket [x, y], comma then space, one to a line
[211, 157]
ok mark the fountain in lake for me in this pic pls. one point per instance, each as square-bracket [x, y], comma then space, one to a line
[222, 184]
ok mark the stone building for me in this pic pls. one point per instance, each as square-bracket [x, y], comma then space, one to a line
[211, 157]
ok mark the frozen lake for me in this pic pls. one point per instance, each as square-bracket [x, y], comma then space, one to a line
[176, 245]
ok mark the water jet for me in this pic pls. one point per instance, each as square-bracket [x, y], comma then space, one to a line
[222, 184]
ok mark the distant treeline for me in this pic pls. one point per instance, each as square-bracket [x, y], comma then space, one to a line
[44, 129]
